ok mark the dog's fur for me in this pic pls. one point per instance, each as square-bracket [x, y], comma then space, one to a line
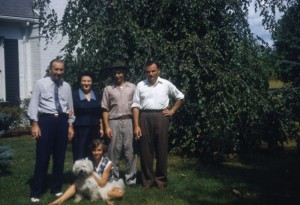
[86, 185]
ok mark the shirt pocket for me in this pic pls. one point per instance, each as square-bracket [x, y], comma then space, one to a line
[46, 96]
[64, 100]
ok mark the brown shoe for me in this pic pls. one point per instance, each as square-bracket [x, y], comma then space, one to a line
[160, 186]
[146, 186]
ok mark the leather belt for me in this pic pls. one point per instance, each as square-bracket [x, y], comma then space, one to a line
[53, 114]
[151, 110]
[124, 117]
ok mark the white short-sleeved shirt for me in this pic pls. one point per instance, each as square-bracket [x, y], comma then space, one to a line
[155, 97]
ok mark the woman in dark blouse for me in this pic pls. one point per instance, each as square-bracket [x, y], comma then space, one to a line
[87, 109]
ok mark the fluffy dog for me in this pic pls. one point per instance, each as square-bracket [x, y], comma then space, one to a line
[86, 185]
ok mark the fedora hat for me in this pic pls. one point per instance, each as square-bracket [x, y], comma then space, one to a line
[118, 64]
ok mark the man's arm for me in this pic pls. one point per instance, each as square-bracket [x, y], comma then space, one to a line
[176, 106]
[107, 129]
[33, 112]
[136, 126]
[70, 113]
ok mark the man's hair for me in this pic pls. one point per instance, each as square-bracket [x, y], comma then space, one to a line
[57, 60]
[152, 61]
[86, 73]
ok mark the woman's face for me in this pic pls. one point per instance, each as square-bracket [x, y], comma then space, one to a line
[86, 83]
[98, 153]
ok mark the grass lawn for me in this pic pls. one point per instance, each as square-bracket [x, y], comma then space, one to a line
[268, 180]
[274, 84]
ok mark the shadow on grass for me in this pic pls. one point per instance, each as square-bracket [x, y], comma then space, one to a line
[68, 180]
[267, 180]
[5, 172]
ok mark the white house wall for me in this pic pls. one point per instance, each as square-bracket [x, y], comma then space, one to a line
[46, 52]
[2, 73]
[34, 54]
[53, 49]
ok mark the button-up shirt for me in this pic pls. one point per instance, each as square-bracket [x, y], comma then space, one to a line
[155, 97]
[42, 99]
[118, 100]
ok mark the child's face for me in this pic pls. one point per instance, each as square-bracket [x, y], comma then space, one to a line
[98, 152]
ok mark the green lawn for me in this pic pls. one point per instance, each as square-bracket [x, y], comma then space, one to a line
[274, 84]
[267, 181]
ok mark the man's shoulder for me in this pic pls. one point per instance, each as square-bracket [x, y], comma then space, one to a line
[130, 84]
[109, 86]
[162, 80]
[44, 79]
[143, 82]
[66, 84]
[45, 82]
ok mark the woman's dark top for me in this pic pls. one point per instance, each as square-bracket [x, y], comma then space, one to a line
[87, 113]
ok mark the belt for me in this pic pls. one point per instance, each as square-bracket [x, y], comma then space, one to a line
[124, 117]
[151, 110]
[53, 114]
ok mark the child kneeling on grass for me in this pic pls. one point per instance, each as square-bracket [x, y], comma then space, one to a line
[114, 190]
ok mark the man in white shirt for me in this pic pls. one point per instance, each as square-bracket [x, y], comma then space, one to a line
[151, 114]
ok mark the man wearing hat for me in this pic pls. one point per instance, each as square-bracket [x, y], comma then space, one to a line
[117, 118]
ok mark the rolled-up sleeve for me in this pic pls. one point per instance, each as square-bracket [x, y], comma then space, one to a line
[174, 92]
[136, 99]
[104, 102]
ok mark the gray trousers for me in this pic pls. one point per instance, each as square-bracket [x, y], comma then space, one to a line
[154, 144]
[122, 142]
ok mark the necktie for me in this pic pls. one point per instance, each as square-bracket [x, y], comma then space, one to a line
[56, 99]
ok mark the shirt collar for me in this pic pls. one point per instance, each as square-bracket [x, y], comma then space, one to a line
[159, 80]
[82, 96]
[59, 82]
[125, 84]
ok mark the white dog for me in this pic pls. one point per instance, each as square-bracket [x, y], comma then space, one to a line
[86, 185]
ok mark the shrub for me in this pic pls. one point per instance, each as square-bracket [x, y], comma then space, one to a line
[13, 118]
[5, 157]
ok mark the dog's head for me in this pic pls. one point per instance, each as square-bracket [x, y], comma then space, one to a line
[83, 167]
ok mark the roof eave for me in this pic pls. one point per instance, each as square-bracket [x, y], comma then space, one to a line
[14, 18]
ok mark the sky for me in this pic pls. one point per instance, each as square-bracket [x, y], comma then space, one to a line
[255, 22]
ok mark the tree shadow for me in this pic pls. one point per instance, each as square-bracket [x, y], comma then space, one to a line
[270, 179]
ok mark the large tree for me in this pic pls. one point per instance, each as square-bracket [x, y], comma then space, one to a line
[205, 48]
[287, 44]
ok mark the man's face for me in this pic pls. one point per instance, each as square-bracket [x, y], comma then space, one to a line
[119, 76]
[152, 73]
[57, 71]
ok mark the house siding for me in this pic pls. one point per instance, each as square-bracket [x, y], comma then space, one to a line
[46, 51]
[34, 55]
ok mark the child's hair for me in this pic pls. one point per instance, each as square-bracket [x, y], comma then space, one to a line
[96, 143]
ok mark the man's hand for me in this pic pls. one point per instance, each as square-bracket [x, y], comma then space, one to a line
[35, 130]
[137, 132]
[168, 113]
[108, 132]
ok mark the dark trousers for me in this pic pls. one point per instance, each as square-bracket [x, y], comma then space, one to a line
[154, 140]
[53, 141]
[84, 135]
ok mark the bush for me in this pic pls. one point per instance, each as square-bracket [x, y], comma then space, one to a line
[5, 121]
[5, 157]
[14, 118]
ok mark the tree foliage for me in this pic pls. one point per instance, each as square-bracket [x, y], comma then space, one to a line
[206, 49]
[287, 43]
